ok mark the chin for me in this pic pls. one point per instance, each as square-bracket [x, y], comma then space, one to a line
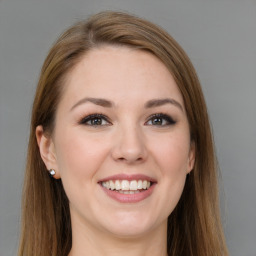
[130, 225]
[128, 232]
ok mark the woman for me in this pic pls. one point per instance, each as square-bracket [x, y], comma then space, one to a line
[121, 158]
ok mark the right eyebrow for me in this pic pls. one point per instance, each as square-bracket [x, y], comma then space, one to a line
[161, 102]
[96, 101]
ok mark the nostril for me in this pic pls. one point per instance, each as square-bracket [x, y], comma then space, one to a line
[130, 159]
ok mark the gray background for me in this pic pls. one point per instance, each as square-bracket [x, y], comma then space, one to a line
[220, 38]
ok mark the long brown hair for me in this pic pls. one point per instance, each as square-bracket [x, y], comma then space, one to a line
[194, 227]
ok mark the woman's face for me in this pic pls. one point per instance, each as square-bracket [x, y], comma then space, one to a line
[121, 143]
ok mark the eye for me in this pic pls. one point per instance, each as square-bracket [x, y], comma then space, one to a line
[95, 120]
[160, 120]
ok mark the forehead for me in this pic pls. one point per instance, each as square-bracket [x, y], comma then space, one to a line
[120, 73]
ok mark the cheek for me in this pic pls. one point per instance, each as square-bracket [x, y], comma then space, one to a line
[172, 154]
[173, 160]
[79, 157]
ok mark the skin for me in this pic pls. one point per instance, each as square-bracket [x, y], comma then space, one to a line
[128, 142]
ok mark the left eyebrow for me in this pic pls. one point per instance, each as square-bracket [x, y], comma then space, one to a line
[97, 101]
[161, 102]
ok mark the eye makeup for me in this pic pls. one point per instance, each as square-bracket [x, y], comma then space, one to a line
[160, 119]
[95, 120]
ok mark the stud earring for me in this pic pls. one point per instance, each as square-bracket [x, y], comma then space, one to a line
[52, 172]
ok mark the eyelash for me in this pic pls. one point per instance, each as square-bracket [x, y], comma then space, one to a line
[102, 118]
[92, 117]
[169, 120]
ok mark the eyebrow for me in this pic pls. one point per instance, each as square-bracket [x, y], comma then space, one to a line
[108, 104]
[97, 101]
[161, 102]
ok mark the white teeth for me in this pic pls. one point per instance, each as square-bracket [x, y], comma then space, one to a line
[106, 184]
[133, 185]
[112, 185]
[144, 184]
[128, 192]
[126, 186]
[139, 184]
[118, 185]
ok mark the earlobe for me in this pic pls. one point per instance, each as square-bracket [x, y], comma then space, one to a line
[47, 150]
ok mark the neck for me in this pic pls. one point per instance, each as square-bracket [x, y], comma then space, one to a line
[88, 241]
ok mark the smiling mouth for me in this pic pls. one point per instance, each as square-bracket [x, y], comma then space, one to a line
[126, 186]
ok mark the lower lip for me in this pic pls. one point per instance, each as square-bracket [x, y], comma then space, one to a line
[129, 198]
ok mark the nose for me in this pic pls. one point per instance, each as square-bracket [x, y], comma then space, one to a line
[129, 146]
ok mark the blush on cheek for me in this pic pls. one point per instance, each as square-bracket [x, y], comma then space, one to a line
[80, 157]
[174, 157]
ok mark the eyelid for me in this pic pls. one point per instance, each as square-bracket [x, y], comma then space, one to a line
[95, 115]
[170, 121]
[167, 117]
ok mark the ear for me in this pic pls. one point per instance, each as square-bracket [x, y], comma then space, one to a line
[47, 150]
[191, 157]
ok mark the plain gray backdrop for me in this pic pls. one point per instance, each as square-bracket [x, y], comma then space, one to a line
[220, 38]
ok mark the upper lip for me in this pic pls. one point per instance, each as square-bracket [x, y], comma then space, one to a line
[128, 177]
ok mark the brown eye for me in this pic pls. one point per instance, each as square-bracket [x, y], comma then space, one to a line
[157, 121]
[160, 120]
[95, 120]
